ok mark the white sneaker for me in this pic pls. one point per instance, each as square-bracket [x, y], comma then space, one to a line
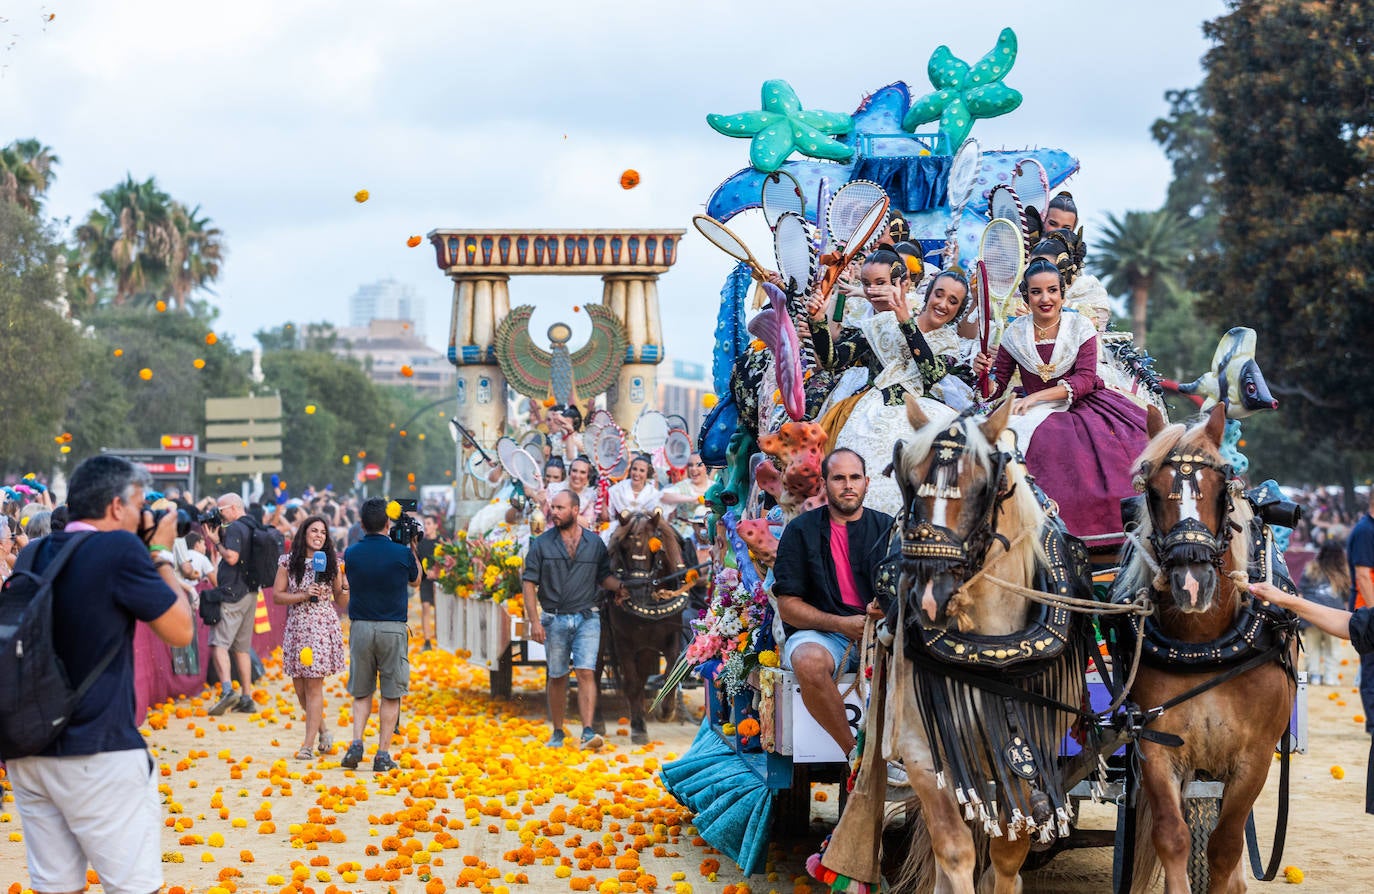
[896, 776]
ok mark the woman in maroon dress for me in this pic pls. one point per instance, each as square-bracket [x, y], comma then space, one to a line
[1079, 438]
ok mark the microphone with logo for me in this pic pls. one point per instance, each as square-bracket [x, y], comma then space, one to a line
[319, 562]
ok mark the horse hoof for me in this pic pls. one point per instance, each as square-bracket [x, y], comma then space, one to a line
[639, 738]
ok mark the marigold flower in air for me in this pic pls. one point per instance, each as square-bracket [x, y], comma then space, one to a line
[145, 373]
[211, 338]
[709, 400]
[549, 402]
[407, 371]
[655, 544]
[161, 306]
[119, 352]
[629, 179]
[307, 656]
[414, 241]
[198, 363]
[361, 196]
[1338, 772]
[310, 409]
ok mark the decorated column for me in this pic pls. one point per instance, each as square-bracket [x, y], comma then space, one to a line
[480, 303]
[634, 299]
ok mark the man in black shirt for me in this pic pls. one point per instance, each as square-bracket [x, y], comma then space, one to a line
[563, 568]
[234, 633]
[823, 582]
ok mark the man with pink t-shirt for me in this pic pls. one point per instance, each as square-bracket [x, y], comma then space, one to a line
[823, 582]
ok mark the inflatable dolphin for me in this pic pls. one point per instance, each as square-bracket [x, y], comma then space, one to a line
[1235, 379]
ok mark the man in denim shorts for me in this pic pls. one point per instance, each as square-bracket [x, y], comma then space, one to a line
[823, 582]
[563, 568]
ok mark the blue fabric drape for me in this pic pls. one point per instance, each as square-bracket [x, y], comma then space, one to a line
[914, 182]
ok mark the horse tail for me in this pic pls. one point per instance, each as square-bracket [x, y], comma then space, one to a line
[917, 872]
[1145, 868]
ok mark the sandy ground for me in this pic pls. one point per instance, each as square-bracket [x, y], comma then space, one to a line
[479, 798]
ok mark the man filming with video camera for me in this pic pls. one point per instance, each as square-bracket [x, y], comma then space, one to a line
[380, 569]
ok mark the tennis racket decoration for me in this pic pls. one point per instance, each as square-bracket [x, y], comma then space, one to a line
[519, 465]
[822, 208]
[720, 236]
[650, 431]
[676, 421]
[849, 206]
[1029, 180]
[1003, 202]
[863, 231]
[797, 267]
[608, 449]
[796, 258]
[782, 194]
[984, 324]
[963, 174]
[600, 416]
[1001, 258]
[677, 449]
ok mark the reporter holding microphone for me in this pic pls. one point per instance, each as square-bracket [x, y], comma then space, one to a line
[310, 584]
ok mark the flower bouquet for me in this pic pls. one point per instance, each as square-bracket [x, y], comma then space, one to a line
[736, 630]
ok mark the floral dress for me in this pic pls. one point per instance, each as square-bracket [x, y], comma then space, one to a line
[310, 624]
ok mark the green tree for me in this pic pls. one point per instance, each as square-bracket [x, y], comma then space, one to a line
[1140, 251]
[148, 246]
[351, 414]
[1287, 89]
[26, 172]
[36, 373]
[168, 345]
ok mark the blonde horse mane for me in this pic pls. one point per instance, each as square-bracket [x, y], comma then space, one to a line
[1021, 514]
[1140, 571]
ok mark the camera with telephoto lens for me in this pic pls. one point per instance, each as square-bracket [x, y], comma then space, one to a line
[1273, 508]
[405, 530]
[183, 521]
[210, 517]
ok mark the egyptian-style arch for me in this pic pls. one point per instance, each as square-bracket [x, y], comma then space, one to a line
[481, 263]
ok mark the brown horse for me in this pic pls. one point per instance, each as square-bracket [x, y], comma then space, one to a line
[1196, 532]
[646, 555]
[974, 749]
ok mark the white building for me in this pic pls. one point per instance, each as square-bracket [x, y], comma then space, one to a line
[681, 386]
[387, 299]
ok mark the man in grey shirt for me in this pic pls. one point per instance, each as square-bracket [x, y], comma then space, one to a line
[563, 569]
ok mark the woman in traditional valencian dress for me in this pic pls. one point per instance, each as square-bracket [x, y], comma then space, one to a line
[901, 359]
[1079, 438]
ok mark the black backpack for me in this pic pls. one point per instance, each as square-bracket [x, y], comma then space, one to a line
[264, 551]
[36, 695]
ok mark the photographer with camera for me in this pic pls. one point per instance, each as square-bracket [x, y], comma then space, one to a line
[232, 535]
[89, 796]
[380, 569]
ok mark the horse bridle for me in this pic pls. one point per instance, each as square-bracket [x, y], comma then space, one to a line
[1189, 540]
[925, 541]
[640, 583]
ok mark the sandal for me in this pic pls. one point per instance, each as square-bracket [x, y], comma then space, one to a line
[326, 742]
[305, 754]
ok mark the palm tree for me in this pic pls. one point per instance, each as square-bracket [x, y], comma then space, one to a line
[26, 172]
[131, 238]
[1140, 251]
[199, 251]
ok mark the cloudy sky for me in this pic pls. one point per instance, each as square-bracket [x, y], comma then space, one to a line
[270, 115]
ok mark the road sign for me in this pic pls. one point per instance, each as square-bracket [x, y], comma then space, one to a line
[164, 465]
[372, 471]
[246, 428]
[179, 442]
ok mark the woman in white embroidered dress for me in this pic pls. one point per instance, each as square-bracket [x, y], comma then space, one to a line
[902, 360]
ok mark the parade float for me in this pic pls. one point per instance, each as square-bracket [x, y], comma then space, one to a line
[942, 203]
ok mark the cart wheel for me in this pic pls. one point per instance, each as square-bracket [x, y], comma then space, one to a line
[1201, 815]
